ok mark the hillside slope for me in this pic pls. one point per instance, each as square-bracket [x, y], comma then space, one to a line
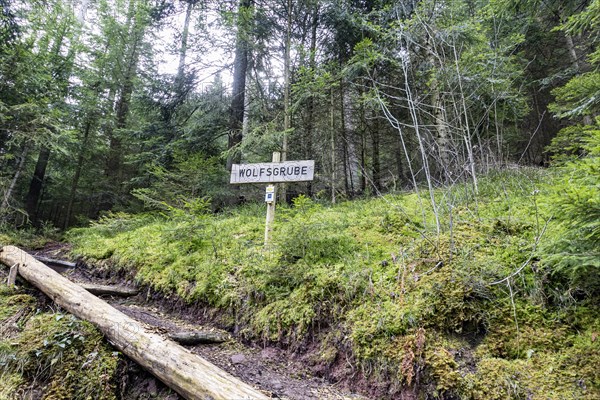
[371, 294]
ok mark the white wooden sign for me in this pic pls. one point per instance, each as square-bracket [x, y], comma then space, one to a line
[287, 171]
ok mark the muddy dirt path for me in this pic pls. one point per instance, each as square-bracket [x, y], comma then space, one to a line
[270, 369]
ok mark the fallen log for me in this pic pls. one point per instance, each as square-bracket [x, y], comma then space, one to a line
[190, 375]
[198, 337]
[58, 263]
[100, 290]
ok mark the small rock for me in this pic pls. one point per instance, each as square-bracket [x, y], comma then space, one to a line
[276, 384]
[238, 359]
[268, 353]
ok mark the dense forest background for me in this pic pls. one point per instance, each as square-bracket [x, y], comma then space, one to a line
[117, 104]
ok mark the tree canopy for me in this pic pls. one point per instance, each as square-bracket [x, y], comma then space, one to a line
[105, 104]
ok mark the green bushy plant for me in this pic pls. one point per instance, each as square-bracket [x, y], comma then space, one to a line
[573, 249]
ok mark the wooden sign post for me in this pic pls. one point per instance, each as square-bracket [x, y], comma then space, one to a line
[272, 173]
[271, 199]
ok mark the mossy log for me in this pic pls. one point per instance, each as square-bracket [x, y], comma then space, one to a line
[190, 375]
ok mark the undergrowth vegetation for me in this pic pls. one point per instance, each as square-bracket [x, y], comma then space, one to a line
[51, 355]
[476, 311]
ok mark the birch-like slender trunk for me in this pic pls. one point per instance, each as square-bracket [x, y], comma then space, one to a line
[465, 120]
[13, 183]
[183, 48]
[443, 134]
[413, 113]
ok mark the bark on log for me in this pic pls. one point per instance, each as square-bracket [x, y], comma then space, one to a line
[99, 290]
[198, 337]
[187, 373]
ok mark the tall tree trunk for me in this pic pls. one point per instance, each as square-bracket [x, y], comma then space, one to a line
[115, 160]
[376, 163]
[363, 143]
[363, 162]
[78, 168]
[572, 52]
[114, 164]
[287, 110]
[348, 184]
[443, 135]
[15, 179]
[240, 70]
[587, 120]
[62, 70]
[332, 154]
[287, 121]
[310, 108]
[36, 184]
[180, 78]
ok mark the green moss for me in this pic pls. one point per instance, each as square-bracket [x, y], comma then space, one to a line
[9, 384]
[540, 377]
[12, 302]
[443, 368]
[64, 356]
[27, 238]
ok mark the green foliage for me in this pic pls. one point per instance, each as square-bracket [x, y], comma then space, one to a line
[191, 176]
[580, 96]
[574, 202]
[569, 144]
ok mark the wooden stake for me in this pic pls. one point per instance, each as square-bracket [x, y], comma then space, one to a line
[12, 275]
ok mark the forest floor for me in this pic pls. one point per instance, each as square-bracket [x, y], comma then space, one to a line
[271, 369]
